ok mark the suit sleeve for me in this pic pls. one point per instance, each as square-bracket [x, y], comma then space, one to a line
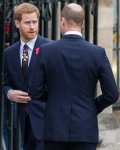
[6, 81]
[37, 88]
[108, 86]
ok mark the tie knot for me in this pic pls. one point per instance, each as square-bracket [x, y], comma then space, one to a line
[25, 48]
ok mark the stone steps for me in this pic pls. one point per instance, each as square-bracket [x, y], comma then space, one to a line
[109, 146]
[109, 133]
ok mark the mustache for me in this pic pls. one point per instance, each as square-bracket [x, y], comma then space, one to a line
[32, 30]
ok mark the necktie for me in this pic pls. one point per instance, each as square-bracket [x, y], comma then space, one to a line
[25, 61]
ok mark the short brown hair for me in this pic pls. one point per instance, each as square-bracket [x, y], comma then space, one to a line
[23, 9]
[73, 12]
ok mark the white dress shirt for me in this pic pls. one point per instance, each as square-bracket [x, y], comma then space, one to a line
[30, 44]
[73, 32]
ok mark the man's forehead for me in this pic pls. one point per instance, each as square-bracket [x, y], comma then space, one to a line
[30, 16]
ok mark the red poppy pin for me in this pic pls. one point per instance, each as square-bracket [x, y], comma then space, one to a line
[37, 50]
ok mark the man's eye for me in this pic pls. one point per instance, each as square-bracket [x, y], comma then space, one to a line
[34, 22]
[27, 22]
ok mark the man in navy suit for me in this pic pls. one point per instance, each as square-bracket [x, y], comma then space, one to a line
[15, 85]
[71, 68]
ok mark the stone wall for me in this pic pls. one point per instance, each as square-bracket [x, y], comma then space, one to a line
[105, 32]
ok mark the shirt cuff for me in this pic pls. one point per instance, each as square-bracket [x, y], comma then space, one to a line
[8, 94]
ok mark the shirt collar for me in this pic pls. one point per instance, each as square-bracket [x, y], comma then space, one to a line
[30, 44]
[73, 32]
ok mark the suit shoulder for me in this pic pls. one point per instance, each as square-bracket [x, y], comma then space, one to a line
[11, 48]
[44, 40]
[48, 45]
[93, 45]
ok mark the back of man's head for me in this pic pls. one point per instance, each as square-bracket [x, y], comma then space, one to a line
[73, 13]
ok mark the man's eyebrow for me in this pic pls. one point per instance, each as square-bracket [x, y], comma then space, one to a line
[31, 21]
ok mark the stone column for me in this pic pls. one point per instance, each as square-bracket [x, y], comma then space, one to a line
[105, 31]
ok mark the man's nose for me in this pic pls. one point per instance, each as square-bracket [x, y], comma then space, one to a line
[31, 25]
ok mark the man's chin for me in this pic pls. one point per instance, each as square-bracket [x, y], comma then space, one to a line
[32, 36]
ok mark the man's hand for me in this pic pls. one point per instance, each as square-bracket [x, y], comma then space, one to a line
[18, 96]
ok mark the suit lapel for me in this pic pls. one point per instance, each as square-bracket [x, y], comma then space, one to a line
[33, 57]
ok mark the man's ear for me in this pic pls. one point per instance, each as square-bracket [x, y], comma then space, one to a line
[82, 24]
[63, 21]
[17, 24]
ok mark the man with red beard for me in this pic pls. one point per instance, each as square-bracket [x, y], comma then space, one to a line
[19, 60]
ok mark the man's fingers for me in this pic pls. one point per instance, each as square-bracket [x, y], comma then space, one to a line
[24, 98]
[19, 96]
[22, 93]
[21, 101]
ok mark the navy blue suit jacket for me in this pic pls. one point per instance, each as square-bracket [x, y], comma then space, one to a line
[13, 79]
[71, 68]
